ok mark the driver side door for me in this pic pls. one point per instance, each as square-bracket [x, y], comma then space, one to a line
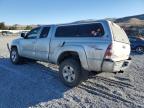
[27, 45]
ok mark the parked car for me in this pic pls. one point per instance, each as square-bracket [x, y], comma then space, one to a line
[77, 48]
[6, 33]
[137, 44]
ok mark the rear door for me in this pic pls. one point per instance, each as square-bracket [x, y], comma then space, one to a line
[42, 45]
[120, 44]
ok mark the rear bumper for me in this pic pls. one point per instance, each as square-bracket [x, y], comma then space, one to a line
[115, 66]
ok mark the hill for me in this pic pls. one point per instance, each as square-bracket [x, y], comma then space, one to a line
[137, 20]
[126, 19]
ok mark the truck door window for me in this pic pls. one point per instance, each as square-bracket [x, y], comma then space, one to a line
[44, 32]
[33, 33]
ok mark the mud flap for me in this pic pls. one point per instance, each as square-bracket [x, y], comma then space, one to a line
[85, 74]
[8, 47]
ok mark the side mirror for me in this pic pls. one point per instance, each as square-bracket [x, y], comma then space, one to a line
[23, 35]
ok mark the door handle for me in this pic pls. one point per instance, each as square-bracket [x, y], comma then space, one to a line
[63, 43]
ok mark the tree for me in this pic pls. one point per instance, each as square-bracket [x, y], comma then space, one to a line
[28, 28]
[12, 28]
[2, 26]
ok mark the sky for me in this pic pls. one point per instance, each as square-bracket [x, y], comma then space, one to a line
[63, 11]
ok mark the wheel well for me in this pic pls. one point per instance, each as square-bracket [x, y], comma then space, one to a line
[139, 46]
[68, 54]
[13, 47]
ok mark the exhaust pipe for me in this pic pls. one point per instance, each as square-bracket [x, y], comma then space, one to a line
[121, 71]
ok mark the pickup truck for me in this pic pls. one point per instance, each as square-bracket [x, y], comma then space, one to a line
[77, 48]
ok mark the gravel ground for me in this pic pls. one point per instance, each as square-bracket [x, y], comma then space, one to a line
[37, 85]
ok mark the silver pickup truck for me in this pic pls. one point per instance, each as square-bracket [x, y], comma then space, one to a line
[78, 48]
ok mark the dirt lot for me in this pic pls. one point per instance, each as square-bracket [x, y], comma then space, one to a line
[38, 85]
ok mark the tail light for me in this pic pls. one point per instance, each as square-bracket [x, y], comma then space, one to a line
[108, 52]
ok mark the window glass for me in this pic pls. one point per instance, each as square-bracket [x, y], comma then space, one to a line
[119, 34]
[44, 32]
[132, 39]
[84, 30]
[66, 31]
[91, 30]
[33, 33]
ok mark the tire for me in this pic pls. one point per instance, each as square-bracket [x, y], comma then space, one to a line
[14, 56]
[140, 49]
[70, 72]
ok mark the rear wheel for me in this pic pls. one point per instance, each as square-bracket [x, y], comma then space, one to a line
[140, 49]
[70, 72]
[14, 56]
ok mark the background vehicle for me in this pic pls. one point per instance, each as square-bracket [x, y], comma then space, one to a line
[6, 33]
[137, 44]
[76, 47]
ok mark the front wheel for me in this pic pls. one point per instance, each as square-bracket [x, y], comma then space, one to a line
[140, 49]
[70, 72]
[14, 56]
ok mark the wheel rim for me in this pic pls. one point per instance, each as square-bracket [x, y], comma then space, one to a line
[68, 74]
[13, 56]
[140, 50]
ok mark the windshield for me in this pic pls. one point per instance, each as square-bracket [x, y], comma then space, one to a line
[119, 34]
